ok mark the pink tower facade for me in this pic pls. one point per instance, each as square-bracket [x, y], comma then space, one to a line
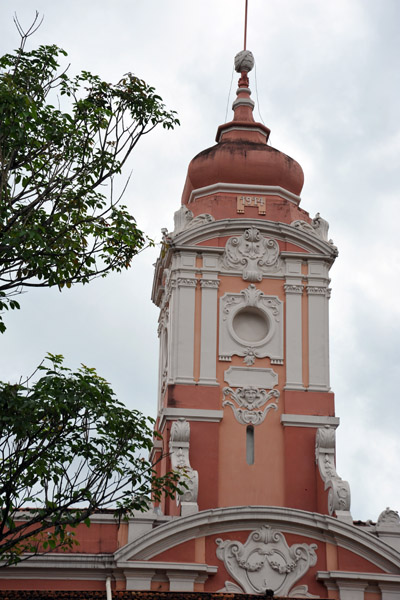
[245, 407]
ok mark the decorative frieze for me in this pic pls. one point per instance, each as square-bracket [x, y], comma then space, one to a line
[339, 490]
[251, 254]
[265, 562]
[249, 402]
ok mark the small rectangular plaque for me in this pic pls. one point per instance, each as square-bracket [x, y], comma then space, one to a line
[255, 201]
[245, 376]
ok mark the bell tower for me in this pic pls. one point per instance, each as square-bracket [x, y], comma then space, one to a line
[242, 284]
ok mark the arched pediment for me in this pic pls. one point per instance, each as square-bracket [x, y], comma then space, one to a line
[315, 526]
[304, 238]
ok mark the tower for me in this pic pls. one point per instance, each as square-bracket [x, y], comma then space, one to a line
[243, 290]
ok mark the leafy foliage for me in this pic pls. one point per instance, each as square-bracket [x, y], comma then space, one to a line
[67, 449]
[58, 226]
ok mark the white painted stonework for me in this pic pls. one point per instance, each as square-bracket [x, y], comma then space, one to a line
[252, 255]
[265, 561]
[249, 403]
[339, 490]
[179, 445]
[251, 376]
[251, 325]
[208, 345]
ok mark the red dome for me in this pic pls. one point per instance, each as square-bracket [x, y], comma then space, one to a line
[244, 162]
[242, 156]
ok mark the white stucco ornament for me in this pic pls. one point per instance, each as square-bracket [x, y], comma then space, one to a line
[244, 61]
[252, 254]
[251, 325]
[318, 227]
[184, 219]
[389, 517]
[265, 562]
[251, 409]
[339, 490]
[179, 445]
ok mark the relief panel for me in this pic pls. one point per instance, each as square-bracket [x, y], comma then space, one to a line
[266, 562]
[251, 254]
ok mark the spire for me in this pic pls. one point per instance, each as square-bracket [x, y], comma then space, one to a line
[243, 105]
[243, 120]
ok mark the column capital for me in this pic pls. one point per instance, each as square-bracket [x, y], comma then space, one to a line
[291, 288]
[186, 282]
[210, 283]
[317, 290]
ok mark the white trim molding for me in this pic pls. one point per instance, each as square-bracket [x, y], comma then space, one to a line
[182, 576]
[191, 414]
[234, 188]
[352, 585]
[316, 421]
[339, 496]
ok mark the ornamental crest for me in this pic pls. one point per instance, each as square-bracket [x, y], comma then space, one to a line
[250, 400]
[251, 253]
[265, 562]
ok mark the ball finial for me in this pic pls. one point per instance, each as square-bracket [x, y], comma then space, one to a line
[244, 61]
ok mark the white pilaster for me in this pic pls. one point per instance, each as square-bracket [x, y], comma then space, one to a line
[181, 581]
[139, 579]
[351, 590]
[294, 336]
[390, 591]
[184, 304]
[208, 343]
[318, 338]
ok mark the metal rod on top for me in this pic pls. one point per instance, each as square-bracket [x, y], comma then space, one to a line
[245, 25]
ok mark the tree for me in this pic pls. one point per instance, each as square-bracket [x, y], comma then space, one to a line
[68, 448]
[57, 225]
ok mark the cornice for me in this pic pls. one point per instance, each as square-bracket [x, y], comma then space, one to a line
[234, 188]
[191, 414]
[355, 576]
[290, 420]
[83, 567]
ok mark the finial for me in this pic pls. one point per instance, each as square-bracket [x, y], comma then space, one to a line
[244, 61]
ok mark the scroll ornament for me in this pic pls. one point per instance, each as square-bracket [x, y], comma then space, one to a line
[339, 490]
[318, 227]
[252, 254]
[250, 400]
[179, 443]
[389, 517]
[266, 561]
[184, 219]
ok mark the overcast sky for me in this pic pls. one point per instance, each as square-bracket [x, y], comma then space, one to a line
[328, 86]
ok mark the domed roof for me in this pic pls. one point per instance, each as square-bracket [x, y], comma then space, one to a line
[242, 154]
